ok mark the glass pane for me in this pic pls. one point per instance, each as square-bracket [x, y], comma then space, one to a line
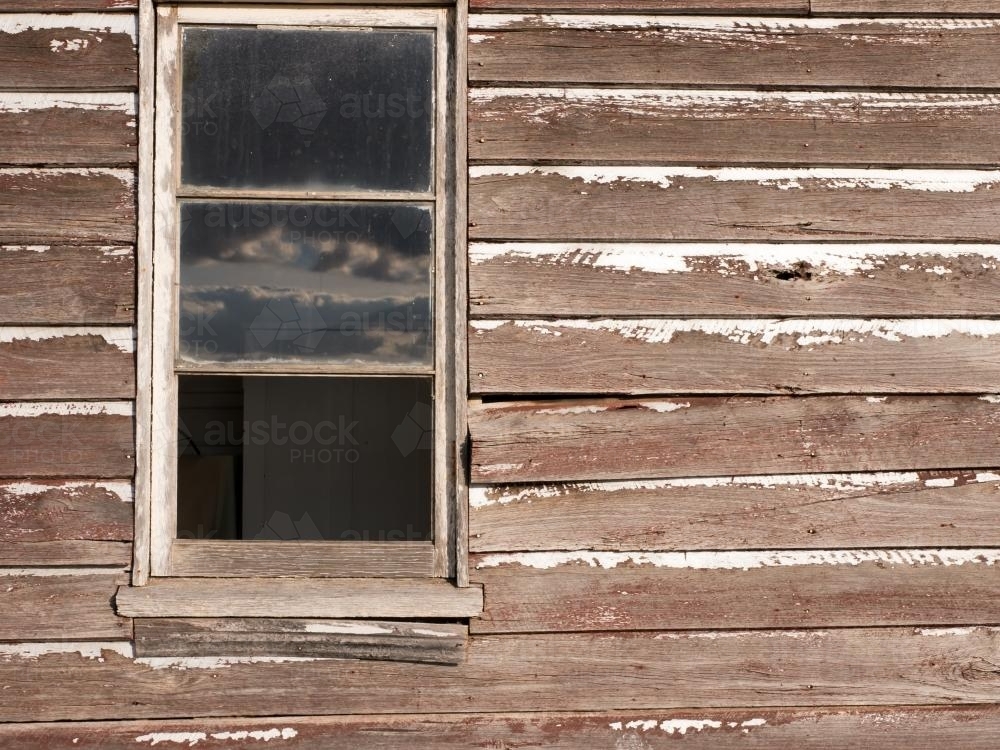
[315, 109]
[318, 282]
[304, 458]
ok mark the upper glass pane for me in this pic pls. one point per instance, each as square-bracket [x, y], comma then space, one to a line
[344, 283]
[307, 109]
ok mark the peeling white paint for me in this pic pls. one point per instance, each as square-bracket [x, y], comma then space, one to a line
[664, 407]
[986, 476]
[743, 559]
[119, 337]
[748, 25]
[990, 398]
[430, 633]
[483, 495]
[216, 662]
[87, 650]
[923, 180]
[20, 489]
[66, 408]
[193, 738]
[58, 572]
[347, 628]
[110, 23]
[941, 482]
[69, 45]
[689, 257]
[681, 726]
[945, 632]
[569, 410]
[876, 399]
[125, 176]
[14, 101]
[806, 332]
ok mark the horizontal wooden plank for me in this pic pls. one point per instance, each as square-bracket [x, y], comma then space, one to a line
[642, 126]
[791, 7]
[534, 592]
[65, 553]
[734, 51]
[634, 203]
[624, 279]
[67, 205]
[301, 597]
[837, 728]
[76, 606]
[567, 440]
[63, 284]
[78, 52]
[20, 6]
[420, 642]
[223, 559]
[540, 672]
[66, 363]
[54, 511]
[908, 7]
[64, 439]
[718, 355]
[812, 511]
[68, 129]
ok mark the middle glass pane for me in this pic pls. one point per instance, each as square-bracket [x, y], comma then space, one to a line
[345, 283]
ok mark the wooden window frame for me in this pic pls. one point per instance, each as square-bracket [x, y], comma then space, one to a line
[158, 554]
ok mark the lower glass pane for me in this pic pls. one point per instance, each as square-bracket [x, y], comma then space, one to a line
[304, 458]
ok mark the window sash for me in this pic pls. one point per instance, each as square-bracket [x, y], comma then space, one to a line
[172, 557]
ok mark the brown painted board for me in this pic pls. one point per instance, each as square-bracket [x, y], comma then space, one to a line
[538, 672]
[41, 442]
[20, 6]
[834, 728]
[644, 126]
[54, 511]
[624, 279]
[66, 363]
[81, 57]
[581, 591]
[60, 607]
[725, 356]
[386, 640]
[899, 7]
[813, 511]
[791, 7]
[687, 203]
[65, 553]
[67, 205]
[568, 440]
[48, 285]
[664, 51]
[66, 134]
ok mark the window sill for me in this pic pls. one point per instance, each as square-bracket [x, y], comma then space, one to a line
[419, 642]
[393, 598]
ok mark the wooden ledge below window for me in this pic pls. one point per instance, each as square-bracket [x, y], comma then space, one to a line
[355, 598]
[421, 642]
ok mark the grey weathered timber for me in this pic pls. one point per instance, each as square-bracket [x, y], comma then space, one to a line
[901, 7]
[844, 728]
[648, 126]
[929, 509]
[621, 203]
[62, 206]
[67, 552]
[422, 642]
[67, 135]
[625, 279]
[60, 607]
[845, 667]
[66, 445]
[72, 364]
[608, 591]
[300, 597]
[66, 284]
[347, 559]
[672, 51]
[711, 355]
[67, 58]
[55, 511]
[633, 438]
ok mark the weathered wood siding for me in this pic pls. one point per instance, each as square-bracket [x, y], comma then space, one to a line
[734, 394]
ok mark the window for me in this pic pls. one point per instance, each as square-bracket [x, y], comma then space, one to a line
[305, 406]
